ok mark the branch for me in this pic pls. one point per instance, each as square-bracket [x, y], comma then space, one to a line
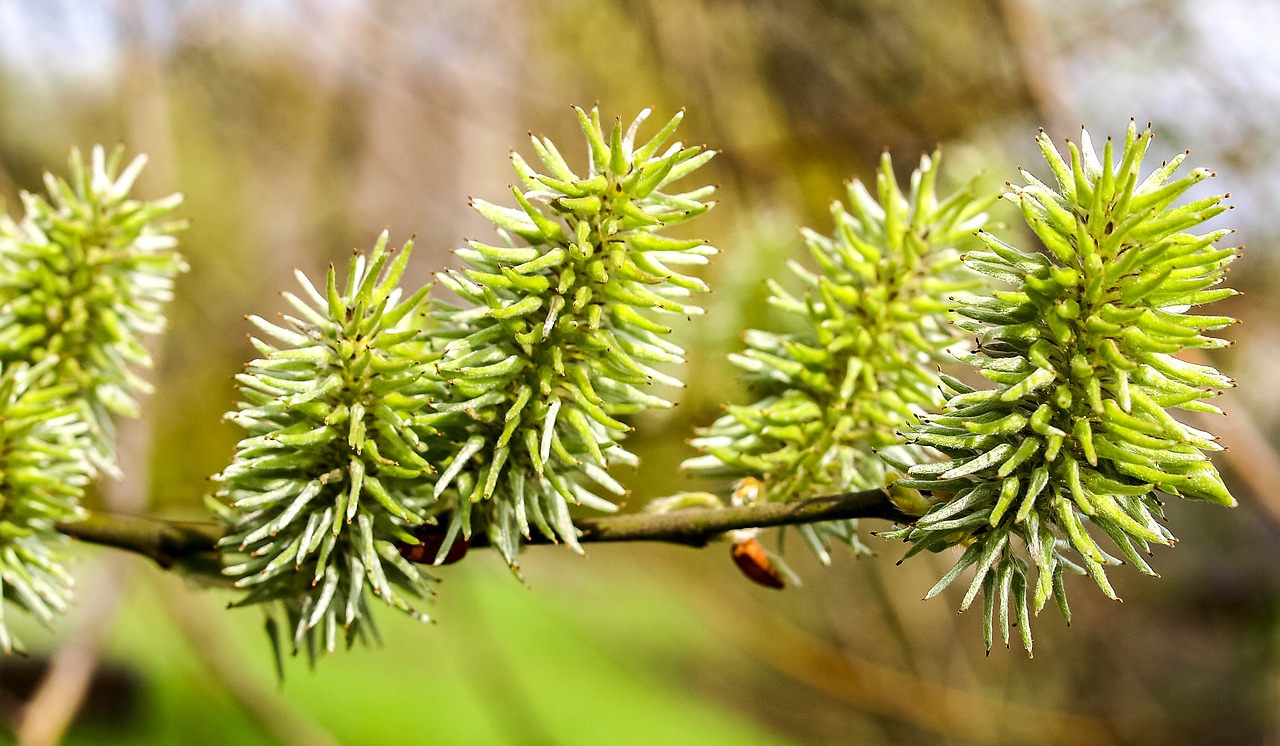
[696, 527]
[170, 542]
[166, 542]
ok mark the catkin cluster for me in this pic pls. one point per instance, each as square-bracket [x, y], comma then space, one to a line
[382, 428]
[385, 430]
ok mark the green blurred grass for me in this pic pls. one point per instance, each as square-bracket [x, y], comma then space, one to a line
[562, 663]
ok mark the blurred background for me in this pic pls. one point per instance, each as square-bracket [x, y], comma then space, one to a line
[299, 130]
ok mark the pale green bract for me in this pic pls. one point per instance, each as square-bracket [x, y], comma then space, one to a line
[872, 326]
[333, 472]
[561, 339]
[1076, 432]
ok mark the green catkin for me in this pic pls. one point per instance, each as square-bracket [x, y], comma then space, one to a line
[873, 325]
[333, 470]
[85, 273]
[84, 278]
[1086, 368]
[564, 333]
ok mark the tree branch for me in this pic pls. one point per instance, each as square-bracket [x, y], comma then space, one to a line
[170, 542]
[166, 542]
[696, 527]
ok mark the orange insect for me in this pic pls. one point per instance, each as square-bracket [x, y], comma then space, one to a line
[754, 562]
[747, 553]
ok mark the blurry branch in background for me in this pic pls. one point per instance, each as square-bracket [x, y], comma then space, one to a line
[1044, 74]
[1251, 458]
[955, 713]
[209, 643]
[53, 706]
[172, 542]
